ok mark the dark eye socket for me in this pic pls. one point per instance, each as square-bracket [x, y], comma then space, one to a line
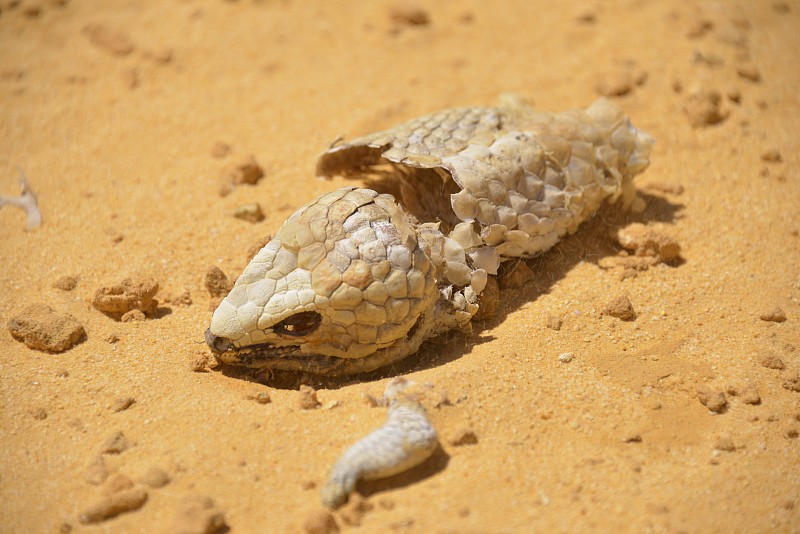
[299, 324]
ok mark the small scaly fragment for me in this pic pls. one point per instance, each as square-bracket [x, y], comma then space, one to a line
[406, 440]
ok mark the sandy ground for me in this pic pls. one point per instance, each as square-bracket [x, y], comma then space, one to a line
[118, 112]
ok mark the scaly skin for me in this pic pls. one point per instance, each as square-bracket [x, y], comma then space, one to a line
[355, 280]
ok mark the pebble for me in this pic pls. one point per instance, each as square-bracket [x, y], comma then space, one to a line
[632, 437]
[133, 316]
[216, 283]
[249, 212]
[566, 357]
[155, 478]
[791, 433]
[770, 359]
[772, 155]
[245, 170]
[200, 364]
[554, 322]
[621, 308]
[748, 71]
[724, 444]
[792, 383]
[713, 400]
[409, 15]
[776, 315]
[197, 514]
[42, 328]
[116, 444]
[68, 283]
[749, 394]
[308, 398]
[122, 403]
[703, 108]
[113, 505]
[184, 298]
[263, 398]
[320, 522]
[463, 436]
[648, 242]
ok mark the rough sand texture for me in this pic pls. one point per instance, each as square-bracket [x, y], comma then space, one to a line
[124, 116]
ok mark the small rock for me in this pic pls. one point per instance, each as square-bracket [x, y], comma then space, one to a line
[775, 315]
[792, 383]
[703, 108]
[749, 394]
[263, 398]
[748, 71]
[220, 149]
[713, 400]
[216, 283]
[117, 483]
[122, 403]
[734, 95]
[463, 436]
[409, 15]
[308, 398]
[516, 276]
[113, 505]
[770, 359]
[112, 338]
[200, 364]
[489, 302]
[772, 155]
[96, 472]
[130, 294]
[42, 328]
[68, 283]
[632, 437]
[566, 357]
[250, 213]
[621, 308]
[648, 242]
[40, 414]
[791, 433]
[155, 478]
[618, 83]
[116, 444]
[133, 316]
[183, 298]
[320, 522]
[725, 444]
[244, 171]
[354, 511]
[197, 515]
[554, 322]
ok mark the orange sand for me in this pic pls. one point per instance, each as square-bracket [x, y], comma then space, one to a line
[115, 127]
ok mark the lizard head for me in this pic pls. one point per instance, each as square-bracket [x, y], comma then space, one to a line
[342, 288]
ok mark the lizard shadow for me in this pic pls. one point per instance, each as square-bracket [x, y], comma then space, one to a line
[593, 242]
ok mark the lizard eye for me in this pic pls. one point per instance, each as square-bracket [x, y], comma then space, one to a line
[299, 324]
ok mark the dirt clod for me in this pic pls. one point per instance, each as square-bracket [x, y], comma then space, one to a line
[749, 72]
[42, 328]
[621, 308]
[113, 505]
[770, 359]
[133, 316]
[308, 398]
[111, 41]
[649, 242]
[463, 436]
[155, 478]
[554, 322]
[771, 155]
[703, 108]
[320, 522]
[775, 315]
[197, 514]
[409, 15]
[713, 400]
[65, 283]
[116, 444]
[792, 383]
[725, 443]
[749, 394]
[122, 403]
[220, 149]
[130, 294]
[96, 471]
[216, 283]
[249, 212]
[245, 170]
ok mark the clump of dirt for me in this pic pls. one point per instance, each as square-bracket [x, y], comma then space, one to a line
[128, 295]
[40, 327]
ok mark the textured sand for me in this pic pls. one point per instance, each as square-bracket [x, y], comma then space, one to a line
[119, 111]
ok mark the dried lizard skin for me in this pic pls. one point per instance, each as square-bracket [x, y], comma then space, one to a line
[356, 280]
[406, 440]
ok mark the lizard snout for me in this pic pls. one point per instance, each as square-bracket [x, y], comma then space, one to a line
[217, 344]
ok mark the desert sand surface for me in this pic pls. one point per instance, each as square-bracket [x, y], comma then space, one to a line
[126, 116]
